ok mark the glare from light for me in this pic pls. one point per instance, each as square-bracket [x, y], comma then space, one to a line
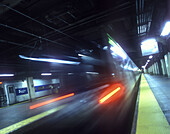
[166, 29]
[6, 75]
[150, 57]
[135, 69]
[105, 47]
[92, 73]
[113, 74]
[148, 60]
[116, 49]
[143, 66]
[50, 60]
[109, 95]
[46, 74]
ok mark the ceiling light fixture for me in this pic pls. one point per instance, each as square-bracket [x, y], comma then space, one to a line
[6, 75]
[166, 29]
[46, 74]
[150, 57]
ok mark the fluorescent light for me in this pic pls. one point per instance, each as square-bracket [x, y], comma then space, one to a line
[46, 74]
[81, 55]
[70, 73]
[49, 60]
[166, 29]
[150, 57]
[92, 73]
[6, 75]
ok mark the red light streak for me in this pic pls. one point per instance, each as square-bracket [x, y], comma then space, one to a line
[112, 93]
[50, 101]
[109, 95]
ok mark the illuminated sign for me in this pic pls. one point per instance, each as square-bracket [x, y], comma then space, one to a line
[149, 46]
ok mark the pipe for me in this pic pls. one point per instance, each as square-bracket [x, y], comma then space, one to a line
[14, 43]
[56, 30]
[39, 37]
[89, 19]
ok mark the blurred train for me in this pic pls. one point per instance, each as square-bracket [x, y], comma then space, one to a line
[112, 65]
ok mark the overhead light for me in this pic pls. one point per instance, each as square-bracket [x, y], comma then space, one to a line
[148, 60]
[70, 73]
[81, 55]
[92, 73]
[105, 47]
[6, 75]
[46, 74]
[50, 60]
[143, 66]
[150, 57]
[166, 29]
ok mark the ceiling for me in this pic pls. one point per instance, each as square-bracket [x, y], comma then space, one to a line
[62, 28]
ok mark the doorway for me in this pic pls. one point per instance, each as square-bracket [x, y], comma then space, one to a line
[11, 94]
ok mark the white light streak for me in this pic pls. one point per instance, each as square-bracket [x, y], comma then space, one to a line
[49, 60]
[92, 73]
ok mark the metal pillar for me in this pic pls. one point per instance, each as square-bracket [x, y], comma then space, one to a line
[164, 70]
[167, 63]
[30, 87]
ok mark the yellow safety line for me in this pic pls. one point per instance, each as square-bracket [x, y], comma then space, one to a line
[29, 120]
[151, 119]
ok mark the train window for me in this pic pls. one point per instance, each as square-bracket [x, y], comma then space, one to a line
[41, 87]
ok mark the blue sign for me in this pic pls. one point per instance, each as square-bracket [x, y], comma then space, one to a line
[21, 91]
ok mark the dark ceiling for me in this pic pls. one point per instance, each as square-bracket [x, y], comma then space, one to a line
[62, 27]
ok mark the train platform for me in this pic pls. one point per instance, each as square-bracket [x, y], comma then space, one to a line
[152, 114]
[76, 113]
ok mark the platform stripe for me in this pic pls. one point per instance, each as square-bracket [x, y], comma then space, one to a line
[29, 120]
[151, 119]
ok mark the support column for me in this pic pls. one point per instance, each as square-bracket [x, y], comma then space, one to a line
[167, 63]
[164, 71]
[157, 68]
[30, 87]
[154, 68]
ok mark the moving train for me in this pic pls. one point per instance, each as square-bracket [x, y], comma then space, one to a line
[112, 65]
